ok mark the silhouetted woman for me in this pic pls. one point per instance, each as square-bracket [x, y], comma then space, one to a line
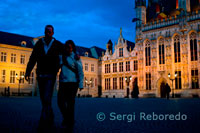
[70, 79]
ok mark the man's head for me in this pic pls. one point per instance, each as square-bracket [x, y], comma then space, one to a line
[49, 31]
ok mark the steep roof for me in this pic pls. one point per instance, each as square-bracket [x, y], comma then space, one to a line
[15, 39]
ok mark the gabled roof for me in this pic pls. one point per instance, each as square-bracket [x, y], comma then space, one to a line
[15, 39]
[99, 50]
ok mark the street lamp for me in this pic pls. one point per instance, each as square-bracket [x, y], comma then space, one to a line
[172, 79]
[88, 83]
[128, 79]
[20, 78]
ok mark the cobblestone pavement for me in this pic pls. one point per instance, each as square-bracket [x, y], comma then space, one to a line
[93, 115]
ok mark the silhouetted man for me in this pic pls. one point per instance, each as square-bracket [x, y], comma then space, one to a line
[46, 54]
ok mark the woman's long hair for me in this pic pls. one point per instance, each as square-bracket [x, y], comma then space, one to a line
[70, 42]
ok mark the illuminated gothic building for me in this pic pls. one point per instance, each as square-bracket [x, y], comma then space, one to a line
[167, 39]
[166, 51]
[119, 67]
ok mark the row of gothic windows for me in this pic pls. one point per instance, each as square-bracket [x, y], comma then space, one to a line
[121, 69]
[177, 52]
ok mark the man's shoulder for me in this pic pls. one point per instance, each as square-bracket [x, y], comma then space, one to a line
[57, 42]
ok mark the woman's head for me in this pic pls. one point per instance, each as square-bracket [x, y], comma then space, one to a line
[70, 47]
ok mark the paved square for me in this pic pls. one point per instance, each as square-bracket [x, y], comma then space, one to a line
[106, 115]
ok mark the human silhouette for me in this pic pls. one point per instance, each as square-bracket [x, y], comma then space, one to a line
[46, 54]
[70, 79]
[135, 91]
[168, 90]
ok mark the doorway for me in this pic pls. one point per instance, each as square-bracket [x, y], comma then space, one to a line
[163, 91]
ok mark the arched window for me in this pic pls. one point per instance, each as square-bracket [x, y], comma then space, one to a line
[193, 47]
[148, 53]
[161, 51]
[177, 54]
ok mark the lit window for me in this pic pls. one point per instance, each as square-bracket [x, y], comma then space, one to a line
[114, 67]
[86, 66]
[177, 54]
[121, 83]
[92, 67]
[135, 65]
[161, 51]
[148, 54]
[120, 52]
[13, 58]
[22, 59]
[193, 47]
[128, 66]
[12, 76]
[121, 67]
[3, 76]
[115, 83]
[3, 56]
[178, 80]
[148, 81]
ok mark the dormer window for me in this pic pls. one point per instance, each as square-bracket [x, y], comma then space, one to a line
[23, 43]
[120, 52]
[86, 54]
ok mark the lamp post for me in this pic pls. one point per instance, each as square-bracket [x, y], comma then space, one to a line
[172, 79]
[20, 78]
[128, 79]
[88, 84]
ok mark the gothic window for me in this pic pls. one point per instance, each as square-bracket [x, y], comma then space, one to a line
[193, 47]
[128, 66]
[114, 83]
[121, 85]
[178, 80]
[161, 51]
[177, 54]
[114, 67]
[121, 67]
[107, 68]
[195, 81]
[148, 81]
[148, 53]
[107, 83]
[135, 65]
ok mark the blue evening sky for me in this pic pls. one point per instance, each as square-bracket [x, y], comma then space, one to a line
[87, 22]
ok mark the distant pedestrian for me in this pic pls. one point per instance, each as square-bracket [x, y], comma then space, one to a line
[168, 90]
[8, 91]
[70, 79]
[135, 91]
[46, 55]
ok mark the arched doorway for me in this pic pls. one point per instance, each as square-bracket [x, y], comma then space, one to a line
[163, 91]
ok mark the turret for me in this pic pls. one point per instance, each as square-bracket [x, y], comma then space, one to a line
[140, 6]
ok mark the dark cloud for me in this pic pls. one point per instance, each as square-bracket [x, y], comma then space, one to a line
[88, 22]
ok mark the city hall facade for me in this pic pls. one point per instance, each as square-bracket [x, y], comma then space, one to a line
[167, 50]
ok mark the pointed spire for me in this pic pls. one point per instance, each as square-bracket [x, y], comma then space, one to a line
[121, 32]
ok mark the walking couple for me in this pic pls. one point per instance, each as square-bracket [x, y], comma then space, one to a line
[50, 56]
